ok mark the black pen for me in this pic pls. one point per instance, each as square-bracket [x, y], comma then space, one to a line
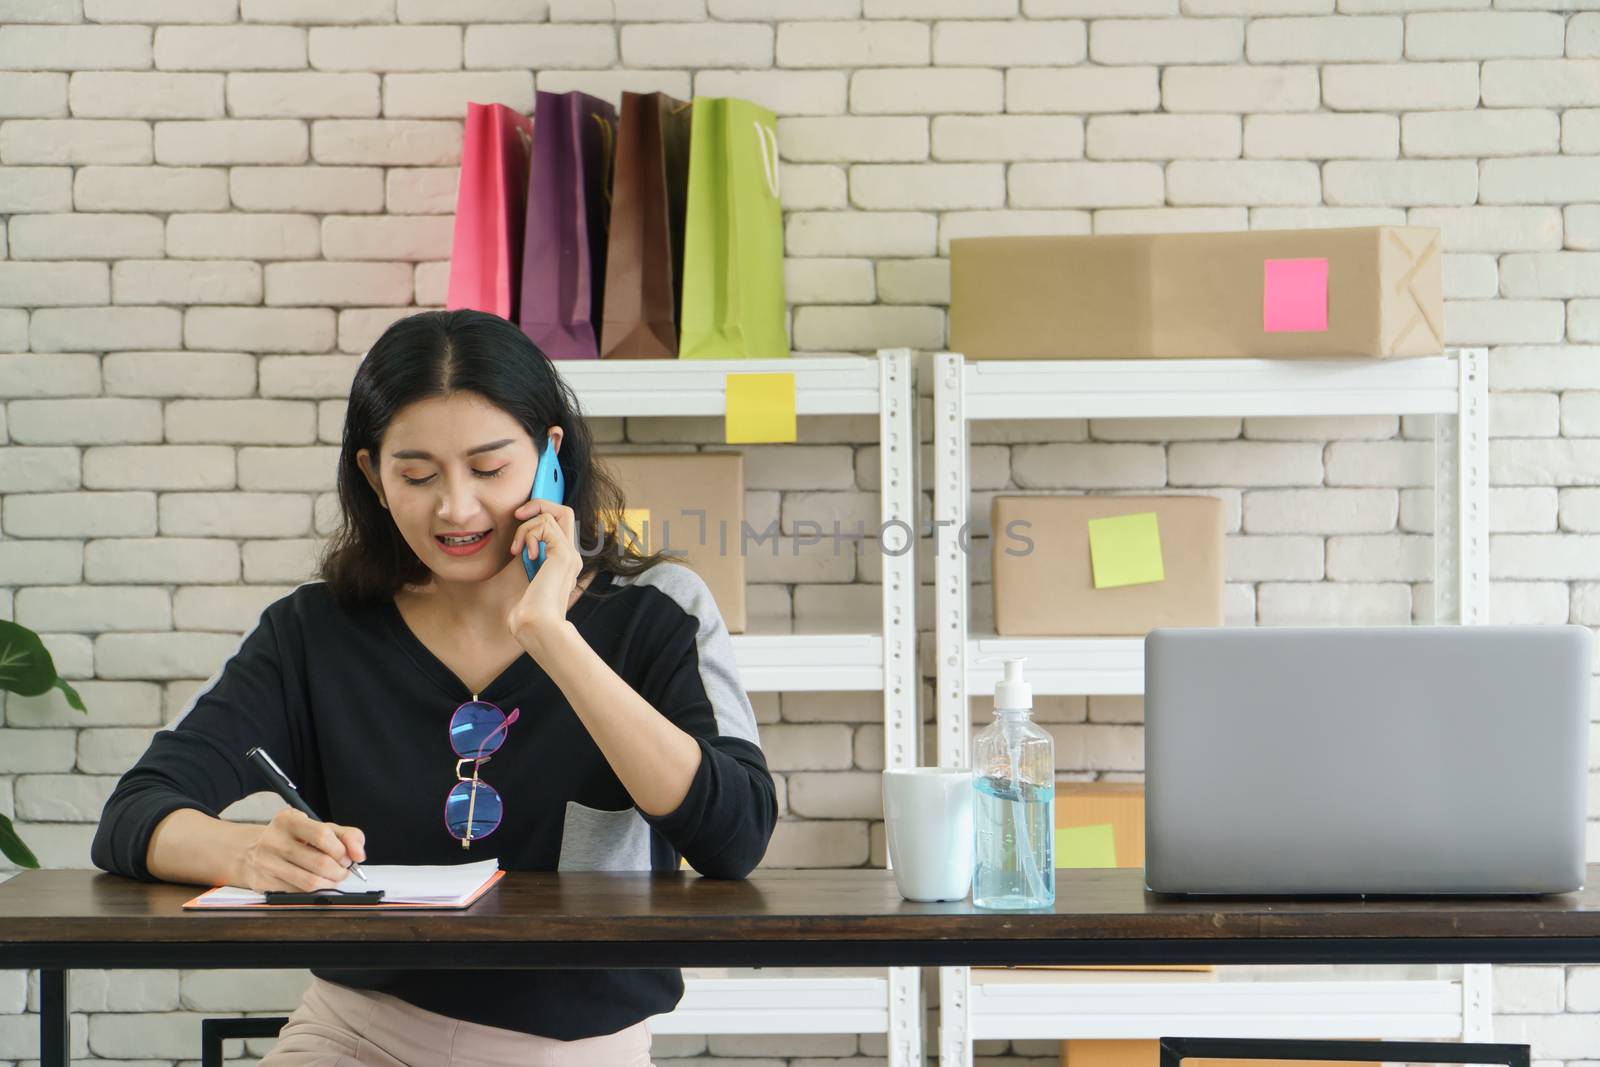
[285, 788]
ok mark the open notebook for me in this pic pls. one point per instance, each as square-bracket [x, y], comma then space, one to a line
[454, 886]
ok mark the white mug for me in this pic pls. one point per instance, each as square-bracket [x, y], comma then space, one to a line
[928, 822]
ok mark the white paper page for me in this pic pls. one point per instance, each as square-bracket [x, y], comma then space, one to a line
[451, 884]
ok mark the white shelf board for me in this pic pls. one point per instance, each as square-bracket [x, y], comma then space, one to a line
[1360, 1009]
[1060, 666]
[809, 662]
[828, 385]
[778, 1006]
[1170, 388]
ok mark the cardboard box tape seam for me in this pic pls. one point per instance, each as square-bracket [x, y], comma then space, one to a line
[1406, 285]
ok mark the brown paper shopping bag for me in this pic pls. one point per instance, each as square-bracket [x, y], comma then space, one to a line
[644, 256]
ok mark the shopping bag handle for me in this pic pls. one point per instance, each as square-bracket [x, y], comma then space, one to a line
[608, 151]
[769, 165]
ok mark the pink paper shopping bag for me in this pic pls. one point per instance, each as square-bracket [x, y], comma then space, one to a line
[491, 206]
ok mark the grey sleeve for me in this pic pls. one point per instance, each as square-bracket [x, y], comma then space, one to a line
[726, 820]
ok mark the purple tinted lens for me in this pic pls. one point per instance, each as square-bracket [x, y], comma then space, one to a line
[475, 729]
[463, 811]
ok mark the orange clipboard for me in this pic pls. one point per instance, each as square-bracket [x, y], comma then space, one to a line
[194, 904]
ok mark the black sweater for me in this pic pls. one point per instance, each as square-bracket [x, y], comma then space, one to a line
[354, 708]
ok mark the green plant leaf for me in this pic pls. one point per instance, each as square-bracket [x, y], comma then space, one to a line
[71, 694]
[25, 665]
[27, 670]
[14, 849]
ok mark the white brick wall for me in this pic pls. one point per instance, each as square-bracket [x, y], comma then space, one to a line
[209, 208]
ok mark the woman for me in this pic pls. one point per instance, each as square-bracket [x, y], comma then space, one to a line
[625, 740]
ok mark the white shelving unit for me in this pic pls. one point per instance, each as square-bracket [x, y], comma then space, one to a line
[1369, 1009]
[750, 1002]
[1453, 386]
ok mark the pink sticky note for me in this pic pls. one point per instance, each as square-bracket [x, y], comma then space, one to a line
[1294, 296]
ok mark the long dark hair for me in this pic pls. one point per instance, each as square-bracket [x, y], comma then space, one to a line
[436, 354]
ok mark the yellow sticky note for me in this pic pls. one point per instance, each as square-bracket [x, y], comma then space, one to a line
[636, 523]
[1125, 550]
[635, 533]
[760, 409]
[1086, 846]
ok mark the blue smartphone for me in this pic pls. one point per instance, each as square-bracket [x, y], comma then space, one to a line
[547, 485]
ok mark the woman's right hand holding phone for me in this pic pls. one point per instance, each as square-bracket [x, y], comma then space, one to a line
[296, 852]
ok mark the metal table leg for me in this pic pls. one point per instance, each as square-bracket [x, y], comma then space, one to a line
[55, 1023]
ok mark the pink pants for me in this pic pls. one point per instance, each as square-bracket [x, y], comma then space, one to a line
[336, 1026]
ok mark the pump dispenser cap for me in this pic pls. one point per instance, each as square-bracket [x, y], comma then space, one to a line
[1011, 692]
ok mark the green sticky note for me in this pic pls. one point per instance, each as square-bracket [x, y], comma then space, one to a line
[1086, 846]
[1125, 550]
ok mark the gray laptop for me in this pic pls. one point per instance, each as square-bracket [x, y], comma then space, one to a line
[1370, 760]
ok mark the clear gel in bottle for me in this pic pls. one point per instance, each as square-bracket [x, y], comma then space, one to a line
[1014, 811]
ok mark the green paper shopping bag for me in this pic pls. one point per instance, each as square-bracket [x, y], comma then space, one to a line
[733, 302]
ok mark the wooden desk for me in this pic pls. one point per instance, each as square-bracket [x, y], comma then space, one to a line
[58, 920]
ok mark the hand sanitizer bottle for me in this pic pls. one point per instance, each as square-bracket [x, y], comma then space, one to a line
[1014, 811]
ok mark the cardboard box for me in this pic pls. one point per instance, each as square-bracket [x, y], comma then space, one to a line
[1048, 588]
[664, 492]
[1096, 1053]
[1118, 806]
[1369, 291]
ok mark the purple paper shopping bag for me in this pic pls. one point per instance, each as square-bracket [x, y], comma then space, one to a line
[564, 249]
